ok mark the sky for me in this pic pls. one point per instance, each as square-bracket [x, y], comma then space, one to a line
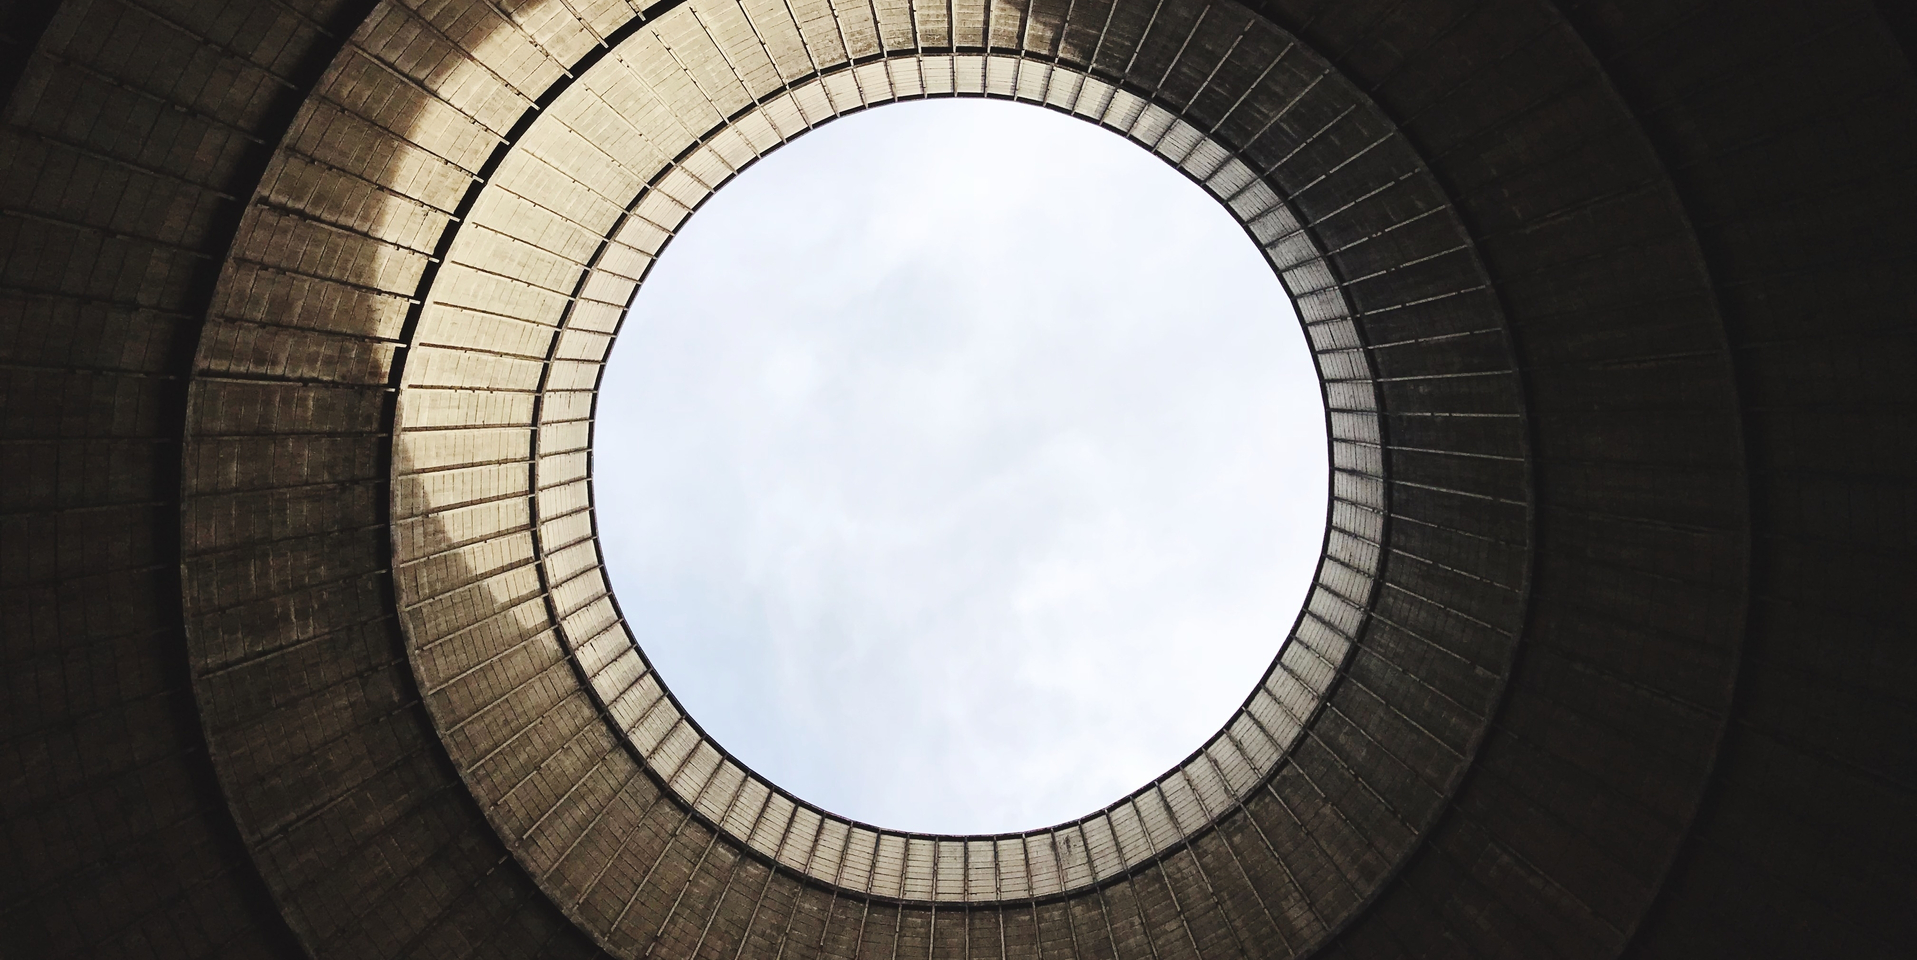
[960, 466]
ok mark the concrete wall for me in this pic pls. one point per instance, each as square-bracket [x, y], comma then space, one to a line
[1631, 677]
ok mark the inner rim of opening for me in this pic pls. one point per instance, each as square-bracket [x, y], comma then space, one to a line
[1093, 493]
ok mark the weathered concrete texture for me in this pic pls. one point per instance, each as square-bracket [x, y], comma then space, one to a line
[307, 649]
[132, 135]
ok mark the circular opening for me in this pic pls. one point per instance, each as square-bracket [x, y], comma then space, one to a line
[961, 467]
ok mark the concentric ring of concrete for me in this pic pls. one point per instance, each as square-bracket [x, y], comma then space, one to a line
[306, 649]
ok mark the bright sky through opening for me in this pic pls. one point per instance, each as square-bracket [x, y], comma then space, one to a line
[961, 467]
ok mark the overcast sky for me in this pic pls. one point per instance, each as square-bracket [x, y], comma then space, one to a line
[961, 466]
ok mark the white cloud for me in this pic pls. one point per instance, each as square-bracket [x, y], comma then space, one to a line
[961, 466]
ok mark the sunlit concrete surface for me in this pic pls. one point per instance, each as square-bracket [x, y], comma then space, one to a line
[309, 649]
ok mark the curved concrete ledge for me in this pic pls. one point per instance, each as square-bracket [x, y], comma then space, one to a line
[1629, 678]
